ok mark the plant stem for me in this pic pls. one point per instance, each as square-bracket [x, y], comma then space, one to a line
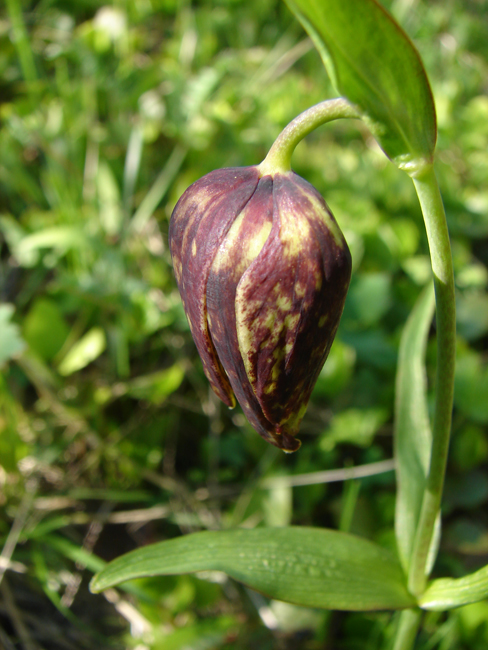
[279, 156]
[408, 626]
[278, 160]
[440, 251]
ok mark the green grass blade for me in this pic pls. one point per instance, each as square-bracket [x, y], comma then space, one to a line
[374, 65]
[22, 42]
[307, 566]
[158, 189]
[413, 436]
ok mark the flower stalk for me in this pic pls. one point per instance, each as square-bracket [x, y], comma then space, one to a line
[279, 156]
[440, 252]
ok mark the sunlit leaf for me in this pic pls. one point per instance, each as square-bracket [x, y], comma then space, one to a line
[306, 566]
[447, 593]
[372, 63]
[156, 386]
[412, 428]
[60, 238]
[356, 426]
[86, 350]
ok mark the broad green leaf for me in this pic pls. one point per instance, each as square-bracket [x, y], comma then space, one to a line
[83, 352]
[156, 386]
[10, 340]
[307, 566]
[356, 426]
[374, 65]
[61, 238]
[412, 428]
[45, 329]
[447, 593]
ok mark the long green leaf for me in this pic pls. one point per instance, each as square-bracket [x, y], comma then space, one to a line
[313, 567]
[373, 63]
[413, 437]
[447, 593]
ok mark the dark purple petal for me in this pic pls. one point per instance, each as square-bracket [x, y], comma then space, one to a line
[289, 302]
[237, 251]
[199, 224]
[263, 271]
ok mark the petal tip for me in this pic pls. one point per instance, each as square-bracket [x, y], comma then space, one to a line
[286, 442]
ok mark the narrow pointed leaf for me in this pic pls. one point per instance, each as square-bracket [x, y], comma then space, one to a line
[307, 566]
[447, 593]
[413, 437]
[373, 64]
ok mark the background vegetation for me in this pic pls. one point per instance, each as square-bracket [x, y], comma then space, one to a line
[110, 437]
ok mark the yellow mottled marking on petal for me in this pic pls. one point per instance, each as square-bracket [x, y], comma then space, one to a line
[249, 247]
[193, 210]
[295, 230]
[247, 336]
[275, 371]
[177, 267]
[323, 319]
[270, 320]
[299, 289]
[194, 248]
[291, 321]
[317, 211]
[293, 421]
[283, 303]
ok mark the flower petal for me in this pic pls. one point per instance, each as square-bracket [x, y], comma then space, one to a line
[199, 224]
[289, 302]
[241, 246]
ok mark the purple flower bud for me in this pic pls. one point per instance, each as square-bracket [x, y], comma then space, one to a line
[263, 271]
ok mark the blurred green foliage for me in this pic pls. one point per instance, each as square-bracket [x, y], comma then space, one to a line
[109, 435]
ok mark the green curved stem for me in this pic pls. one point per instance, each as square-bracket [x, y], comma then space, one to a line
[407, 629]
[440, 253]
[279, 156]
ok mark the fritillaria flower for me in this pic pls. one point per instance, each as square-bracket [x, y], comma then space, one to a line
[263, 271]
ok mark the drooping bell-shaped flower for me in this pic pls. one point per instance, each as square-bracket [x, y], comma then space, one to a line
[263, 271]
